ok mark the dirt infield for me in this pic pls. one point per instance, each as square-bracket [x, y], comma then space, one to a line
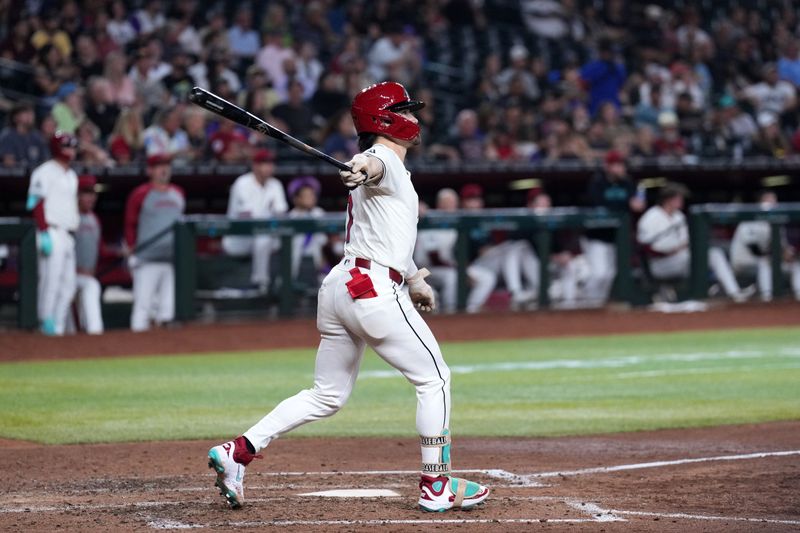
[737, 478]
[733, 478]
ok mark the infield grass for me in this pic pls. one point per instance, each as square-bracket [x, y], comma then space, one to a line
[546, 387]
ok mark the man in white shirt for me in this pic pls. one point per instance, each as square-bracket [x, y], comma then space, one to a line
[363, 301]
[750, 251]
[256, 195]
[53, 200]
[772, 94]
[664, 234]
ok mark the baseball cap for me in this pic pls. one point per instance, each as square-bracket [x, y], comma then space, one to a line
[87, 183]
[518, 51]
[471, 190]
[767, 119]
[303, 181]
[158, 159]
[263, 155]
[667, 119]
[614, 156]
[533, 193]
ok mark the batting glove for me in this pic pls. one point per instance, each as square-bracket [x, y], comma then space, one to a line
[420, 292]
[357, 173]
[44, 242]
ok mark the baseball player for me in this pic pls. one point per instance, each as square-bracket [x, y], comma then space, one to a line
[256, 195]
[52, 197]
[88, 248]
[363, 302]
[664, 233]
[151, 209]
[750, 251]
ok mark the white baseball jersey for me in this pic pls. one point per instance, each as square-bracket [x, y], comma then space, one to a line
[382, 216]
[661, 231]
[250, 199]
[435, 248]
[748, 235]
[58, 187]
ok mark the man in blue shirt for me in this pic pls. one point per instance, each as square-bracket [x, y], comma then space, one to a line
[604, 77]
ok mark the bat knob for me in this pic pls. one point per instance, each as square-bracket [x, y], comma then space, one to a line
[197, 95]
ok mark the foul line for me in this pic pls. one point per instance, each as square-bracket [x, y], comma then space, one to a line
[656, 464]
[706, 517]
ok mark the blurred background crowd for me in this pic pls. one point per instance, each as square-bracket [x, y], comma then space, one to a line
[530, 80]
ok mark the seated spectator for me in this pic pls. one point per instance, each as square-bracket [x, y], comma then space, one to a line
[669, 142]
[308, 68]
[518, 72]
[69, 111]
[126, 142]
[119, 28]
[501, 146]
[194, 124]
[20, 142]
[229, 143]
[789, 63]
[150, 18]
[296, 118]
[272, 56]
[165, 136]
[51, 32]
[147, 79]
[690, 118]
[179, 82]
[771, 94]
[123, 90]
[605, 77]
[770, 140]
[751, 251]
[243, 39]
[392, 56]
[735, 127]
[258, 96]
[341, 141]
[256, 195]
[644, 144]
[87, 57]
[467, 143]
[100, 106]
[330, 96]
[90, 151]
[664, 234]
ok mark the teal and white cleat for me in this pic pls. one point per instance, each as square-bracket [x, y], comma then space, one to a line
[438, 494]
[229, 461]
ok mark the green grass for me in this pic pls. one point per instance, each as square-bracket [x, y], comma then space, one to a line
[528, 388]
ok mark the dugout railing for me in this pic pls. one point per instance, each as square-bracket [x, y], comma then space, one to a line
[522, 223]
[702, 218]
[22, 232]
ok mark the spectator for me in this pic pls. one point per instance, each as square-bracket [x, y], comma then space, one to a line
[614, 190]
[20, 142]
[146, 77]
[295, 116]
[256, 195]
[519, 72]
[243, 39]
[393, 56]
[194, 124]
[308, 69]
[751, 254]
[149, 19]
[664, 234]
[229, 143]
[150, 212]
[770, 140]
[119, 27]
[304, 192]
[736, 129]
[341, 141]
[670, 142]
[123, 90]
[126, 142]
[89, 150]
[17, 45]
[272, 56]
[87, 57]
[100, 108]
[645, 139]
[789, 63]
[467, 142]
[165, 136]
[772, 95]
[179, 82]
[51, 33]
[605, 77]
[691, 36]
[69, 111]
[330, 97]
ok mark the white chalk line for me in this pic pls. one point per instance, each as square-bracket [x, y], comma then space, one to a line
[657, 464]
[610, 362]
[706, 370]
[687, 516]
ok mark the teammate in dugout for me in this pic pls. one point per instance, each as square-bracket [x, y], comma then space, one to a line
[363, 302]
[153, 208]
[52, 197]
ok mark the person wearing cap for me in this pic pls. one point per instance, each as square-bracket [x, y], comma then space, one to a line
[256, 195]
[52, 200]
[669, 142]
[88, 249]
[150, 212]
[664, 235]
[304, 192]
[770, 140]
[772, 94]
[518, 70]
[21, 143]
[613, 189]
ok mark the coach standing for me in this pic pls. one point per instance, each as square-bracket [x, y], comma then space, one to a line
[152, 209]
[52, 197]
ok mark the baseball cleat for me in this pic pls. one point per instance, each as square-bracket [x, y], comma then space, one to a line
[229, 461]
[438, 494]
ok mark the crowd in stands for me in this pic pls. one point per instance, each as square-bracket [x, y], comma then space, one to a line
[534, 80]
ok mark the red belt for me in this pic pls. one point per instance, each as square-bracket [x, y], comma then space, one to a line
[394, 275]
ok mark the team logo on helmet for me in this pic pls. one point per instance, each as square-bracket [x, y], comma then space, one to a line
[377, 110]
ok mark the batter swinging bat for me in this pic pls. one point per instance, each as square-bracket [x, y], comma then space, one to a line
[224, 108]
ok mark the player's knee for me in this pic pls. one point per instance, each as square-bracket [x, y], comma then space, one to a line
[329, 404]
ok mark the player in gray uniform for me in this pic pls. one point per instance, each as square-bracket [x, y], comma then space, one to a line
[88, 245]
[151, 209]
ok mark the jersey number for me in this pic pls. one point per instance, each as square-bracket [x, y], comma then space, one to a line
[349, 218]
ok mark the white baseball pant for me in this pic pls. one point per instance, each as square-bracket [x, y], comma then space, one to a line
[677, 266]
[57, 279]
[388, 323]
[88, 296]
[259, 247]
[602, 259]
[762, 266]
[483, 282]
[153, 294]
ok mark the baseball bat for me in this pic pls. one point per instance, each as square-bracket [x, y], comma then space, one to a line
[219, 106]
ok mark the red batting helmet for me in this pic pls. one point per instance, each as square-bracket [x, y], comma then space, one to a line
[377, 109]
[59, 141]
